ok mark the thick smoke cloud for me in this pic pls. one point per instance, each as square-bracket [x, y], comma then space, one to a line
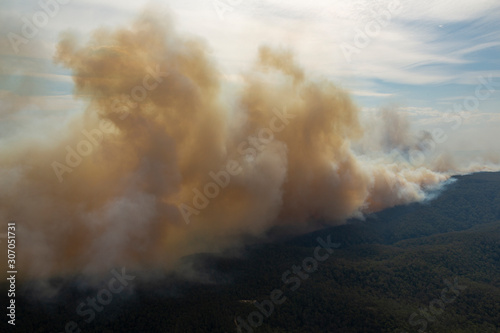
[279, 154]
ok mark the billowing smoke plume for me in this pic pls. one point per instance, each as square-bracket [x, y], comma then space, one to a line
[163, 163]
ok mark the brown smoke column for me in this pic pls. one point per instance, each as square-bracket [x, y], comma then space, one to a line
[121, 205]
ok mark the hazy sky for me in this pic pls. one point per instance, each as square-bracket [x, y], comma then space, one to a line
[425, 57]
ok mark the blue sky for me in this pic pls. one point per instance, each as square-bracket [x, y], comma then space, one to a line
[428, 56]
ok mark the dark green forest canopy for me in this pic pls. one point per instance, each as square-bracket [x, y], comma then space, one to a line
[387, 267]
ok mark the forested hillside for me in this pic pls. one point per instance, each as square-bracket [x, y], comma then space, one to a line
[433, 266]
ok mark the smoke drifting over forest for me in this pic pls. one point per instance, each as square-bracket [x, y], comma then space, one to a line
[163, 163]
